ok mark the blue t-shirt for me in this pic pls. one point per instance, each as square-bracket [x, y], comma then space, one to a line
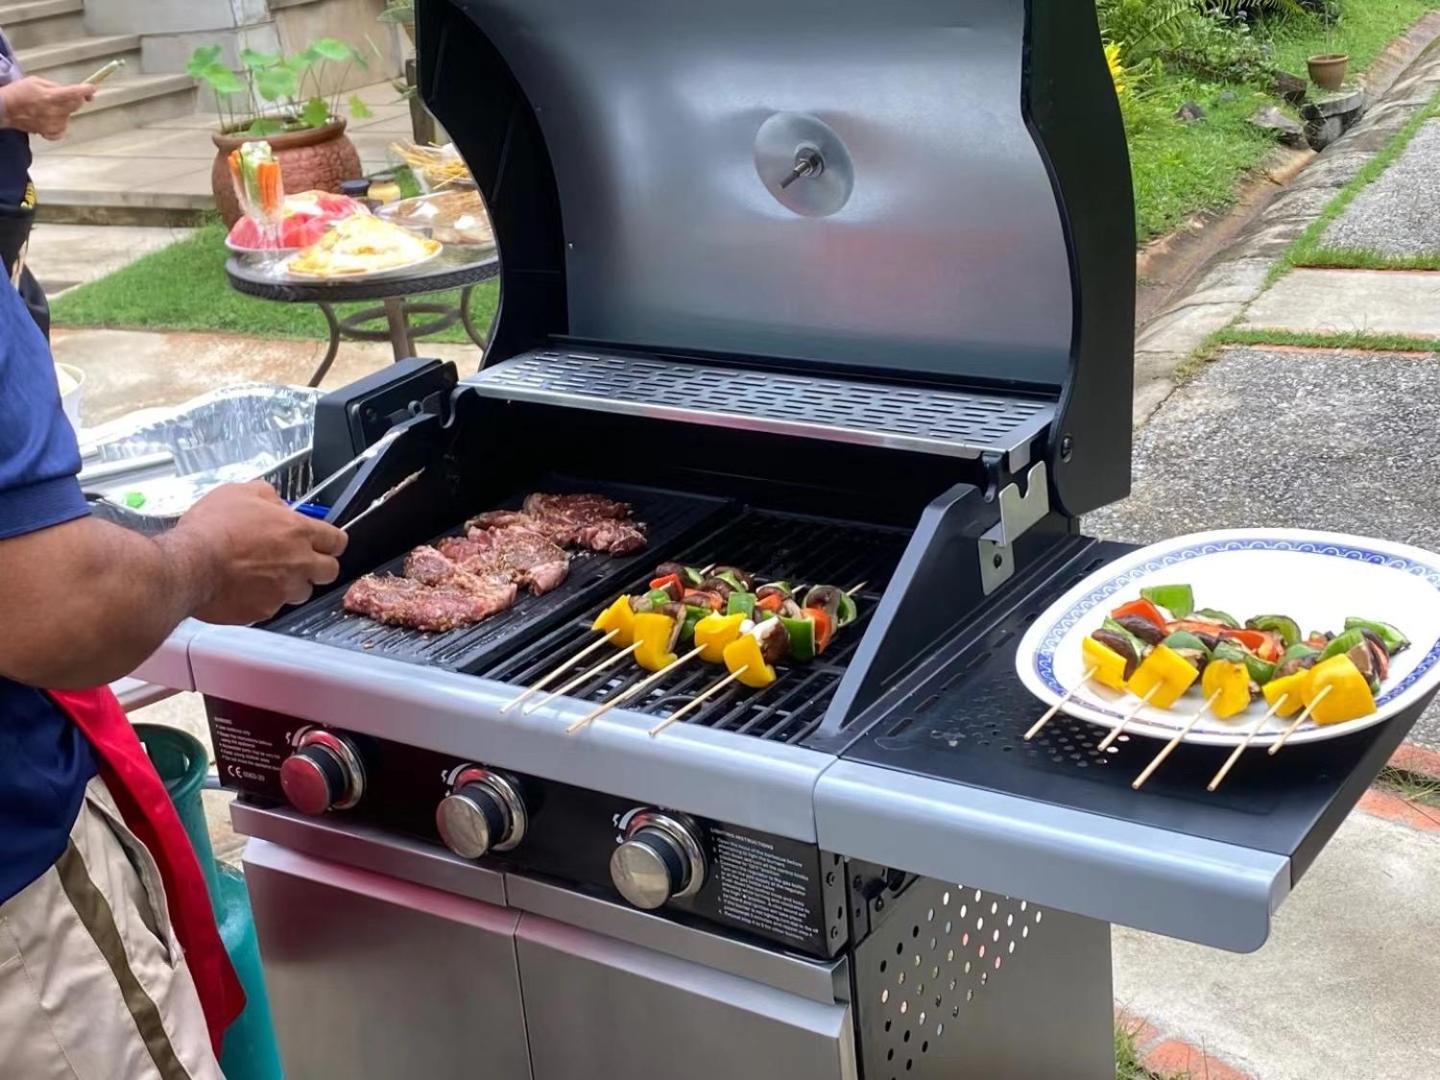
[45, 761]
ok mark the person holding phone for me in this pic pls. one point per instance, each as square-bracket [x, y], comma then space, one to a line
[29, 105]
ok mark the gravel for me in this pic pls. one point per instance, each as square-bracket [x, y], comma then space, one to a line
[1317, 440]
[1396, 215]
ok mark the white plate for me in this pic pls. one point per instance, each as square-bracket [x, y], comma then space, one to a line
[1318, 579]
[368, 275]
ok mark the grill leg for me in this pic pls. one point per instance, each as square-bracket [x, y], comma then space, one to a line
[943, 1011]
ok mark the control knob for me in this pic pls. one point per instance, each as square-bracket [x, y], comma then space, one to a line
[324, 773]
[485, 811]
[660, 859]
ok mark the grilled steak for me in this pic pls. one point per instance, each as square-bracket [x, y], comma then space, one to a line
[399, 601]
[612, 537]
[523, 556]
[582, 509]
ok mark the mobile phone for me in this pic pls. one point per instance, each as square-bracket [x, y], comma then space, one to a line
[106, 71]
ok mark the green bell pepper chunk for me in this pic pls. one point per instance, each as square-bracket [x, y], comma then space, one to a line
[802, 637]
[1286, 627]
[659, 596]
[848, 612]
[1261, 671]
[741, 603]
[1139, 646]
[1393, 639]
[1183, 639]
[1342, 644]
[692, 616]
[1179, 600]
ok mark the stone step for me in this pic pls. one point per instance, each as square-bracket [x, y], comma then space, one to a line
[42, 22]
[128, 103]
[73, 61]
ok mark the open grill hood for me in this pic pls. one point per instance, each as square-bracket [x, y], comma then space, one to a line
[966, 223]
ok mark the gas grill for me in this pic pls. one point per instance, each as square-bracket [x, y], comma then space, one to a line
[838, 293]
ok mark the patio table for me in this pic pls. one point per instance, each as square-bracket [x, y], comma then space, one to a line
[458, 266]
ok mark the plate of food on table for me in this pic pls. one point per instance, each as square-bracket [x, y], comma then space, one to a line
[362, 246]
[305, 219]
[1258, 637]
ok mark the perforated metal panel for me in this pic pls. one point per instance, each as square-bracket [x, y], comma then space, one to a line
[954, 982]
[913, 418]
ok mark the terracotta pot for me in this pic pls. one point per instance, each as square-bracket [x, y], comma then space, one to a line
[1328, 72]
[311, 160]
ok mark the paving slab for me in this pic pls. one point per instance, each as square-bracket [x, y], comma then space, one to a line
[1350, 301]
[1399, 214]
[1291, 438]
[62, 256]
[128, 370]
[1346, 988]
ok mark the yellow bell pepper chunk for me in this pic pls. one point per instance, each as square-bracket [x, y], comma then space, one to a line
[1346, 693]
[713, 633]
[620, 618]
[653, 632]
[1229, 683]
[1164, 675]
[744, 660]
[1291, 688]
[1107, 664]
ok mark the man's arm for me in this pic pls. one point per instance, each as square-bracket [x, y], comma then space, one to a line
[86, 601]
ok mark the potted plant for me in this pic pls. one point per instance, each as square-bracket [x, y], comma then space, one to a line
[1327, 70]
[282, 100]
[402, 12]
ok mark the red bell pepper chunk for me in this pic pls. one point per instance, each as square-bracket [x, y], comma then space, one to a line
[770, 602]
[671, 584]
[824, 628]
[1144, 609]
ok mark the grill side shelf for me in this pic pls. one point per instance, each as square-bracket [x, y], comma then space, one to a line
[931, 421]
[672, 518]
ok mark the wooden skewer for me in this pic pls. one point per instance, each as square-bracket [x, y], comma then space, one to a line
[595, 714]
[1055, 709]
[584, 676]
[1176, 741]
[852, 591]
[548, 679]
[700, 699]
[1305, 715]
[1235, 754]
[1125, 722]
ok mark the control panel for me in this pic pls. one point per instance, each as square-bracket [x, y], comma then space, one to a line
[659, 859]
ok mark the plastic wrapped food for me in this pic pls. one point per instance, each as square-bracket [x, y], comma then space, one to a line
[306, 218]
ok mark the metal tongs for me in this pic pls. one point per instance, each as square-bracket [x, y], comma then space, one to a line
[350, 466]
[383, 499]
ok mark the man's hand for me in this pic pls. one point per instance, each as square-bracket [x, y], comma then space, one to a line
[256, 552]
[40, 106]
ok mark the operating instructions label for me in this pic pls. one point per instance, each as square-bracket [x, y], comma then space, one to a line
[247, 758]
[760, 886]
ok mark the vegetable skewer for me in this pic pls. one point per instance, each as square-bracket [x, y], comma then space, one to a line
[1295, 725]
[1169, 748]
[1055, 709]
[1249, 738]
[1125, 721]
[619, 699]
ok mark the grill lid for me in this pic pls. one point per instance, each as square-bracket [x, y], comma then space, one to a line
[930, 190]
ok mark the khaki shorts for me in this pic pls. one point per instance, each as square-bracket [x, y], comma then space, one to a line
[93, 983]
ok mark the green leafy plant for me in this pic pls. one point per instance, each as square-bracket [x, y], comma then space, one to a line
[398, 11]
[273, 94]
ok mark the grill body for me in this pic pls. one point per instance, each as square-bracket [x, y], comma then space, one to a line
[842, 294]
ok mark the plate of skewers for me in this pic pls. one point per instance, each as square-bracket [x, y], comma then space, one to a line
[718, 615]
[1242, 637]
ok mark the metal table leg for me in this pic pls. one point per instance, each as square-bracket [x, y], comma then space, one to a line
[399, 320]
[465, 318]
[334, 325]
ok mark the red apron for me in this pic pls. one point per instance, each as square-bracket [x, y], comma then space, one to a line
[145, 805]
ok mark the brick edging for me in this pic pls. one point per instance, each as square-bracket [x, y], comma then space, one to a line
[1419, 760]
[1169, 1056]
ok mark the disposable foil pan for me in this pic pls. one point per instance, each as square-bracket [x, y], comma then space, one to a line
[242, 433]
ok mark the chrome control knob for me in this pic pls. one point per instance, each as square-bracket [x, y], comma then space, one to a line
[324, 773]
[484, 812]
[659, 860]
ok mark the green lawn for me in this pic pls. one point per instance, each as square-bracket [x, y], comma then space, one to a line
[183, 287]
[1181, 169]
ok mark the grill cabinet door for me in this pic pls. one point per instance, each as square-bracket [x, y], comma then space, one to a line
[595, 1006]
[371, 978]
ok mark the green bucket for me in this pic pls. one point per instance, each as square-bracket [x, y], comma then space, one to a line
[250, 1051]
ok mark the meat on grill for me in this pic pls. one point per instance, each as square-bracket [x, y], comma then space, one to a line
[522, 555]
[588, 521]
[400, 601]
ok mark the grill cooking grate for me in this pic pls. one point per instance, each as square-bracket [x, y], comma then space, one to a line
[671, 518]
[916, 418]
[776, 547]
